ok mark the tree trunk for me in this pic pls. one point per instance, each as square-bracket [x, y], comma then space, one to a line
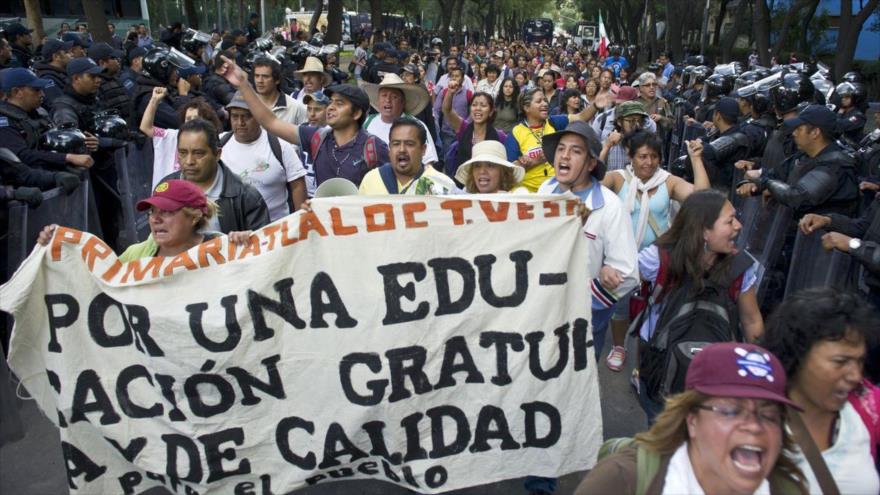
[674, 29]
[240, 13]
[729, 38]
[192, 17]
[719, 22]
[446, 7]
[316, 16]
[652, 30]
[94, 10]
[762, 31]
[790, 18]
[376, 15]
[35, 18]
[457, 18]
[805, 26]
[848, 35]
[490, 19]
[334, 22]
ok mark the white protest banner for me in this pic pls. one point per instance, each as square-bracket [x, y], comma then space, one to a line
[434, 343]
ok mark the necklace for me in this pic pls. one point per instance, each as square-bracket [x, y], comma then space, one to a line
[339, 162]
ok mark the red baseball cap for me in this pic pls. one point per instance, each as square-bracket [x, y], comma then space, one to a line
[172, 195]
[733, 369]
[626, 93]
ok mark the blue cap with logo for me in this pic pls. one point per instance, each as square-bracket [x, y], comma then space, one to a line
[19, 77]
[54, 46]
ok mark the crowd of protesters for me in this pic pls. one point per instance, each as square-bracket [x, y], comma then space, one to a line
[663, 156]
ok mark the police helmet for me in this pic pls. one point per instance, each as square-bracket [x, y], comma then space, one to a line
[64, 139]
[793, 90]
[853, 77]
[109, 124]
[700, 74]
[159, 61]
[856, 91]
[194, 39]
[716, 86]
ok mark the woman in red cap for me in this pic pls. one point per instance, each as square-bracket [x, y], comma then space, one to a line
[725, 434]
[179, 214]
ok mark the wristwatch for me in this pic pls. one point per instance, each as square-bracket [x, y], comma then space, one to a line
[854, 244]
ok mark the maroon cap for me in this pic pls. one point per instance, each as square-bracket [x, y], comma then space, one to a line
[172, 195]
[626, 93]
[733, 369]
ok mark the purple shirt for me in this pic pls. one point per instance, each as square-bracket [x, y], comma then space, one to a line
[345, 161]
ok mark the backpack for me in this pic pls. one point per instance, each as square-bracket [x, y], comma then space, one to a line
[371, 149]
[686, 324]
[275, 146]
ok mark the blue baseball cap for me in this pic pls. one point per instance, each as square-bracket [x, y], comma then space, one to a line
[54, 46]
[318, 97]
[18, 77]
[728, 107]
[16, 29]
[83, 65]
[815, 115]
[76, 39]
[136, 52]
[188, 71]
[103, 51]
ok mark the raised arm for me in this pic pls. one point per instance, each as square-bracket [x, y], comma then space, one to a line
[238, 78]
[150, 112]
[600, 103]
[451, 115]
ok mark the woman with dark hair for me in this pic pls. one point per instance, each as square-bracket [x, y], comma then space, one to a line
[571, 101]
[724, 434]
[821, 336]
[506, 111]
[647, 192]
[697, 253]
[477, 127]
[591, 89]
[165, 140]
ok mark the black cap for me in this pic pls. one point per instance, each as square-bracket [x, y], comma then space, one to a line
[354, 94]
[16, 29]
[103, 51]
[236, 33]
[583, 130]
[728, 107]
[54, 46]
[815, 115]
[83, 65]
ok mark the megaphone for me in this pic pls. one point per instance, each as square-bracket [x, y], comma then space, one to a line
[337, 186]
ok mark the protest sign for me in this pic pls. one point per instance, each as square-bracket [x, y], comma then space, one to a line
[435, 343]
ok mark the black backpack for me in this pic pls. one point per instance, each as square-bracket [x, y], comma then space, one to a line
[686, 324]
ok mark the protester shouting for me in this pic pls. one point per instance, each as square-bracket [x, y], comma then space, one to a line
[726, 433]
[488, 171]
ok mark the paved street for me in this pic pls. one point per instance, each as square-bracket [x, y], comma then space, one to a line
[34, 466]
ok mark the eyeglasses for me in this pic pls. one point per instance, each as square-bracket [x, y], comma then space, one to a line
[649, 85]
[735, 414]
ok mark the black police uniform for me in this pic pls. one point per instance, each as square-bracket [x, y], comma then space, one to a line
[58, 78]
[722, 153]
[217, 89]
[20, 132]
[22, 54]
[826, 183]
[113, 95]
[851, 124]
[128, 79]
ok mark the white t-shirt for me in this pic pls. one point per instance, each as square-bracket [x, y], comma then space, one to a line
[382, 131]
[681, 479]
[257, 166]
[164, 154]
[849, 460]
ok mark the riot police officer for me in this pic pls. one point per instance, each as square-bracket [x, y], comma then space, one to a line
[730, 146]
[53, 67]
[159, 71]
[21, 42]
[851, 119]
[23, 121]
[112, 93]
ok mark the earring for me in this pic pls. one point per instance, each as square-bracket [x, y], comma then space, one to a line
[705, 246]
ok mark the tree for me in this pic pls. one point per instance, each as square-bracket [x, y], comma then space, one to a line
[192, 17]
[762, 31]
[729, 38]
[94, 10]
[334, 22]
[319, 9]
[35, 18]
[376, 15]
[848, 34]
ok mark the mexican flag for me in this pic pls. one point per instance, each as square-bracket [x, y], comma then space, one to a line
[603, 38]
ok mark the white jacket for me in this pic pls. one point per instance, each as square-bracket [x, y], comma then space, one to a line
[610, 241]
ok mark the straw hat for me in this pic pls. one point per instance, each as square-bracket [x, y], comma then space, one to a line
[488, 151]
[416, 97]
[313, 64]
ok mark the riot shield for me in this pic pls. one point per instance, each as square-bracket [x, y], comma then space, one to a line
[763, 234]
[675, 135]
[134, 166]
[813, 266]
